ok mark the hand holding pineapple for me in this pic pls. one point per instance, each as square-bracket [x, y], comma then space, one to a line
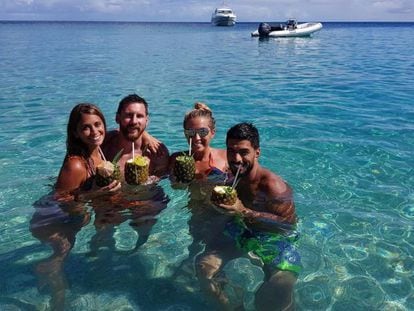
[225, 201]
[108, 171]
[224, 195]
[225, 198]
[97, 191]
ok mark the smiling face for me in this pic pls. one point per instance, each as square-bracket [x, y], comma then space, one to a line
[90, 130]
[132, 120]
[241, 152]
[200, 139]
[80, 127]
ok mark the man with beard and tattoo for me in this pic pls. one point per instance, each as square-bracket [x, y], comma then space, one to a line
[262, 225]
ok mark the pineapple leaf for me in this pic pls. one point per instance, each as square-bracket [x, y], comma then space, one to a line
[183, 154]
[117, 157]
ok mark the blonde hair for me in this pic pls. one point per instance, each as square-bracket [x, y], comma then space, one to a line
[200, 110]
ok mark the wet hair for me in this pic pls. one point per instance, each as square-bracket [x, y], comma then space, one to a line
[244, 131]
[74, 145]
[200, 110]
[132, 98]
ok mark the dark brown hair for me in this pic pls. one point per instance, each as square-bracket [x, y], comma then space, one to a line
[132, 98]
[74, 145]
[244, 131]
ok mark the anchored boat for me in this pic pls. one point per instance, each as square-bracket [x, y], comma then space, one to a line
[223, 16]
[290, 29]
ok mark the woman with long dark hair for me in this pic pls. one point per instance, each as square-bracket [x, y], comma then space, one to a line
[85, 134]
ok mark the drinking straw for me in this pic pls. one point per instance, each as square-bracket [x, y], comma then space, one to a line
[235, 178]
[189, 147]
[133, 151]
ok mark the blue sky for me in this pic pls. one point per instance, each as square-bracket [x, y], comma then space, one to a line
[200, 10]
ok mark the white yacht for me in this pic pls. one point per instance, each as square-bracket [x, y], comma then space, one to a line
[223, 16]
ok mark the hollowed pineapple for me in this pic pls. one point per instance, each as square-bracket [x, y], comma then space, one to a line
[224, 195]
[107, 171]
[137, 170]
[184, 168]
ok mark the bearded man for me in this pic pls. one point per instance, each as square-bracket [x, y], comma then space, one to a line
[132, 118]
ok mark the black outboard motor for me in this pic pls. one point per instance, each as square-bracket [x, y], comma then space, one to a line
[264, 29]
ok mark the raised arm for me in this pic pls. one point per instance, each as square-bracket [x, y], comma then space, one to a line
[160, 162]
[278, 212]
[154, 146]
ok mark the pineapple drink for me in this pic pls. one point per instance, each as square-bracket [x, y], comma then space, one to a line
[106, 173]
[137, 170]
[224, 195]
[184, 168]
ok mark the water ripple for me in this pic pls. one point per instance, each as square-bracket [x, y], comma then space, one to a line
[336, 122]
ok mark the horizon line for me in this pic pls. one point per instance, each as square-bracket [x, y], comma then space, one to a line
[201, 22]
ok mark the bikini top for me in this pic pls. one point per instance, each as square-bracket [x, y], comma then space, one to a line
[91, 171]
[90, 167]
[213, 170]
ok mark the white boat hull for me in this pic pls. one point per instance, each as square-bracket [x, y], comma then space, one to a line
[301, 30]
[223, 21]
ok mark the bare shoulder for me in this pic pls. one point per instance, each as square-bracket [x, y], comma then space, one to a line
[72, 174]
[273, 184]
[159, 162]
[220, 159]
[110, 135]
[164, 149]
[110, 138]
[75, 164]
[162, 154]
[220, 153]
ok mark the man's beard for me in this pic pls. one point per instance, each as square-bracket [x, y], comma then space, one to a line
[244, 170]
[131, 136]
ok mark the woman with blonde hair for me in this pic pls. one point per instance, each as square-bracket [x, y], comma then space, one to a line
[206, 225]
[199, 129]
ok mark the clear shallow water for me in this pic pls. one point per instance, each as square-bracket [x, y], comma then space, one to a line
[336, 118]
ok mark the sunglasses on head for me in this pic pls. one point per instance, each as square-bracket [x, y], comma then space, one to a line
[202, 132]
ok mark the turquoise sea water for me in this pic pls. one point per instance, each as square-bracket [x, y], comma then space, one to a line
[336, 117]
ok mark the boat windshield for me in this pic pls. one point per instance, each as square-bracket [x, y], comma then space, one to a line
[224, 11]
[291, 24]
